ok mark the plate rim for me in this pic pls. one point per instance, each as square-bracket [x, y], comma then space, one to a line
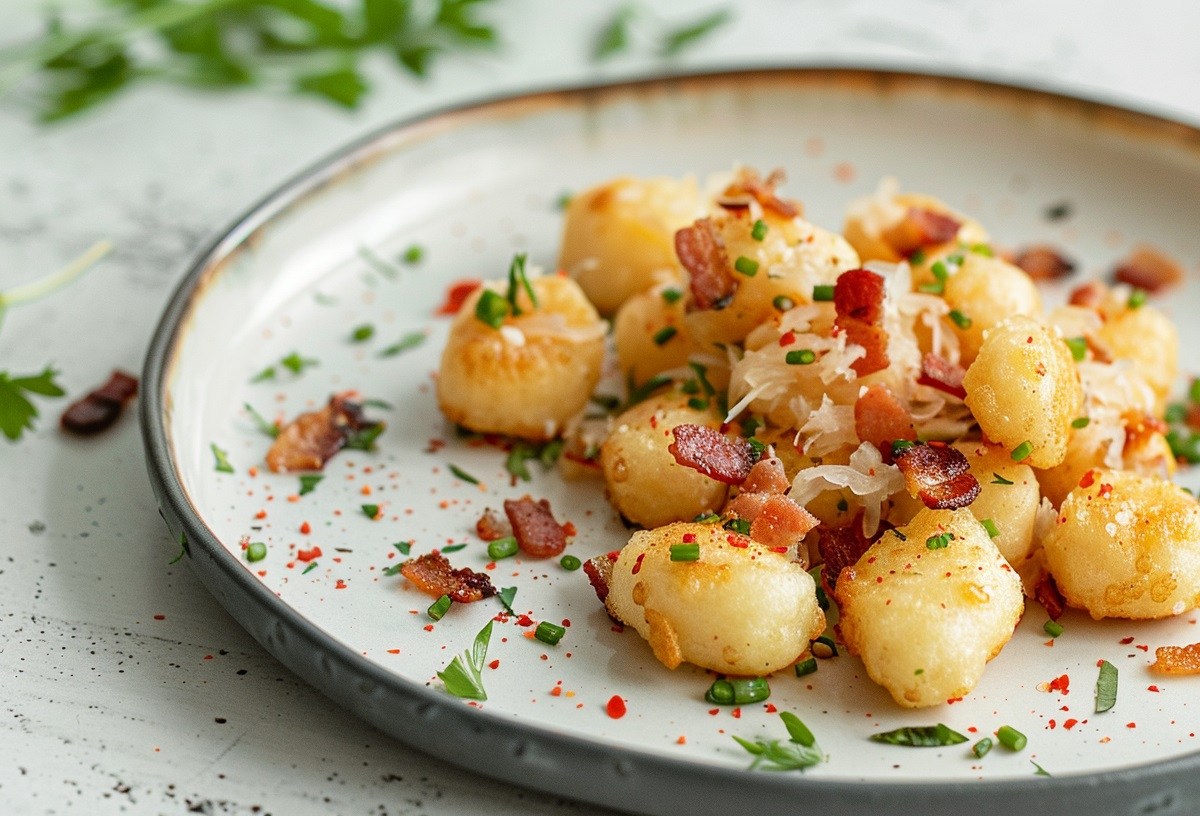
[506, 748]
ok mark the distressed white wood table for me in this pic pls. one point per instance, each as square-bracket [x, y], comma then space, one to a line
[126, 687]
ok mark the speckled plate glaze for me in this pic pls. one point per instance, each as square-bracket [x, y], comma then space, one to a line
[471, 186]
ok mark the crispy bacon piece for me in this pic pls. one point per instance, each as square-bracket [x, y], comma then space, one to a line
[1043, 262]
[840, 547]
[308, 441]
[599, 573]
[766, 476]
[1088, 295]
[1177, 659]
[919, 229]
[938, 372]
[100, 409]
[1045, 591]
[858, 300]
[1147, 268]
[775, 520]
[749, 184]
[710, 452]
[538, 534]
[433, 575]
[881, 419]
[702, 253]
[938, 475]
[492, 525]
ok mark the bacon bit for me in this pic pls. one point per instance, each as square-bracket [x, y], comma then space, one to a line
[881, 419]
[101, 408]
[616, 707]
[433, 575]
[858, 299]
[938, 372]
[748, 184]
[1046, 593]
[1043, 262]
[457, 294]
[492, 526]
[938, 475]
[1061, 684]
[1177, 659]
[766, 476]
[702, 253]
[599, 573]
[781, 523]
[308, 555]
[1089, 295]
[710, 452]
[538, 534]
[840, 547]
[1147, 268]
[308, 442]
[920, 229]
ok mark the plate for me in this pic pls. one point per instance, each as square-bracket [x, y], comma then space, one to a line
[293, 278]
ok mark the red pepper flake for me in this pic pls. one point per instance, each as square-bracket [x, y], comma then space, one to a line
[738, 541]
[1088, 479]
[305, 528]
[261, 514]
[953, 700]
[616, 707]
[770, 708]
[1071, 723]
[689, 538]
[1143, 647]
[1126, 641]
[524, 620]
[429, 627]
[556, 691]
[340, 584]
[681, 741]
[712, 712]
[788, 338]
[457, 294]
[1131, 725]
[1061, 684]
[308, 555]
[495, 664]
[1105, 489]
[1155, 689]
[164, 617]
[1053, 724]
[637, 565]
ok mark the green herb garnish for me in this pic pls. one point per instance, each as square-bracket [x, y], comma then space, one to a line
[746, 266]
[438, 609]
[506, 596]
[799, 752]
[223, 464]
[268, 428]
[738, 691]
[800, 357]
[823, 293]
[570, 563]
[362, 333]
[408, 341]
[462, 474]
[309, 482]
[413, 255]
[685, 552]
[256, 551]
[502, 548]
[1022, 451]
[759, 230]
[17, 413]
[1000, 480]
[550, 633]
[664, 335]
[464, 676]
[518, 280]
[679, 39]
[922, 736]
[371, 511]
[1106, 687]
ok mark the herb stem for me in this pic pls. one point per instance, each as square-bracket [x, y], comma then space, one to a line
[35, 290]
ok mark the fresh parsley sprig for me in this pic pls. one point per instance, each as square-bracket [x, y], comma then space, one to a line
[464, 676]
[617, 34]
[310, 47]
[800, 751]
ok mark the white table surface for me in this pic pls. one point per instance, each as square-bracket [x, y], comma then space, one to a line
[126, 687]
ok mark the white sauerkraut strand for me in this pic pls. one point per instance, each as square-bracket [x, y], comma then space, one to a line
[866, 476]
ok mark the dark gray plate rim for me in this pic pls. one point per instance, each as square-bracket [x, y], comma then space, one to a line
[562, 764]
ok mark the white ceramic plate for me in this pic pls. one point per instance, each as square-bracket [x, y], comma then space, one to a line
[473, 186]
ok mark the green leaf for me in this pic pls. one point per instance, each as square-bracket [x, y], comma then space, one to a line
[222, 459]
[1106, 687]
[464, 676]
[267, 428]
[362, 333]
[364, 439]
[408, 341]
[521, 453]
[42, 384]
[797, 730]
[16, 412]
[381, 18]
[456, 18]
[680, 39]
[343, 86]
[416, 58]
[405, 547]
[297, 364]
[309, 482]
[614, 36]
[922, 736]
[506, 596]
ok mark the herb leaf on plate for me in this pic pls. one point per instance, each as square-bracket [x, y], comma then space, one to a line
[464, 676]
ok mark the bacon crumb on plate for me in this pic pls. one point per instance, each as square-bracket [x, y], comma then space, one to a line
[921, 229]
[1147, 268]
[1043, 262]
[432, 574]
[101, 408]
[1177, 659]
[308, 441]
[538, 534]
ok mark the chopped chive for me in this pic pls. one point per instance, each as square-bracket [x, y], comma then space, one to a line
[462, 474]
[364, 439]
[1194, 391]
[502, 548]
[800, 357]
[1137, 299]
[757, 448]
[939, 542]
[268, 428]
[823, 647]
[991, 528]
[782, 303]
[685, 552]
[408, 341]
[309, 482]
[702, 377]
[738, 526]
[370, 511]
[491, 309]
[899, 446]
[1022, 451]
[312, 565]
[1080, 422]
[1052, 628]
[413, 254]
[570, 563]
[746, 266]
[664, 335]
[453, 548]
[564, 200]
[938, 285]
[267, 373]
[641, 393]
[518, 280]
[1078, 347]
[738, 691]
[960, 319]
[923, 736]
[759, 230]
[296, 364]
[1011, 738]
[807, 666]
[223, 464]
[698, 404]
[1038, 770]
[362, 333]
[1106, 687]
[823, 293]
[548, 632]
[983, 249]
[256, 551]
[981, 748]
[438, 609]
[671, 295]
[1000, 480]
[707, 518]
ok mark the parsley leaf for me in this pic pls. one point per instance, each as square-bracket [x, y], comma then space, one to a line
[800, 751]
[222, 459]
[680, 39]
[268, 428]
[408, 341]
[17, 413]
[464, 676]
[922, 736]
[309, 482]
[614, 37]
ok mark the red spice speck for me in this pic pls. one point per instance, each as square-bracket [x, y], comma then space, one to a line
[456, 295]
[1155, 689]
[340, 584]
[712, 712]
[495, 664]
[1088, 479]
[1143, 647]
[616, 707]
[736, 713]
[637, 565]
[681, 741]
[393, 651]
[972, 729]
[738, 541]
[306, 528]
[308, 555]
[261, 514]
[164, 617]
[524, 620]
[566, 623]
[1061, 684]
[1105, 489]
[788, 338]
[556, 691]
[1071, 723]
[1126, 641]
[770, 708]
[208, 657]
[429, 627]
[1131, 725]
[689, 538]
